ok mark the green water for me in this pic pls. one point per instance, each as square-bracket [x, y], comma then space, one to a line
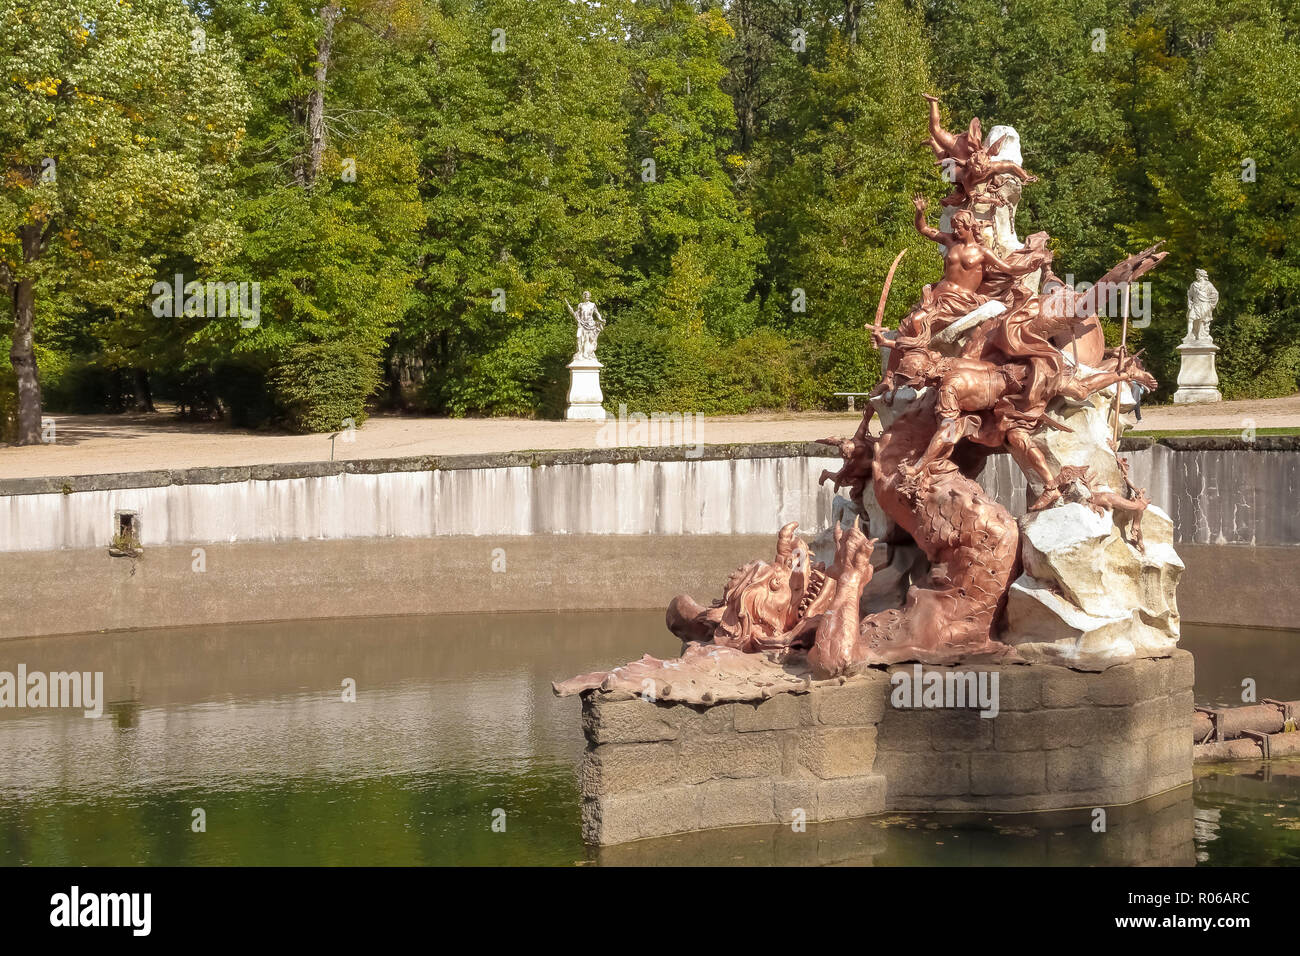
[454, 725]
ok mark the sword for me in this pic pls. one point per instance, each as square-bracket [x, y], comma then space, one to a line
[884, 294]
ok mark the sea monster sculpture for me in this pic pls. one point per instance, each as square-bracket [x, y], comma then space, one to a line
[783, 606]
[981, 364]
[988, 389]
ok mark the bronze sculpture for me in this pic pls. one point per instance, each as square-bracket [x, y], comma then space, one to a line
[994, 357]
[1016, 347]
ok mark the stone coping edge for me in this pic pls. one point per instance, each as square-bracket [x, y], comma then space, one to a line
[68, 484]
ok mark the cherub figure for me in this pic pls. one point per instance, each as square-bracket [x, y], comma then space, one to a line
[979, 168]
[856, 470]
[1135, 507]
[857, 453]
[1132, 503]
[946, 145]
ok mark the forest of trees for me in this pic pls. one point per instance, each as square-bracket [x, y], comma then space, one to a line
[417, 185]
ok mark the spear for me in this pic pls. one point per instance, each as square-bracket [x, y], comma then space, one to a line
[1119, 367]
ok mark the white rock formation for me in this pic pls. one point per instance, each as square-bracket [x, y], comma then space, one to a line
[1091, 424]
[1087, 595]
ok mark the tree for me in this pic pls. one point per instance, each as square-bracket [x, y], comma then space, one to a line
[329, 204]
[523, 133]
[117, 128]
[699, 252]
[1218, 101]
[833, 176]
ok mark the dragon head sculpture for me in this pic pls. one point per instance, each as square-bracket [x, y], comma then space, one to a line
[764, 606]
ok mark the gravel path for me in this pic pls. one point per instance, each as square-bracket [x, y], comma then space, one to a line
[95, 444]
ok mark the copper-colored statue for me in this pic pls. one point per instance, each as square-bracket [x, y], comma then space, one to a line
[974, 368]
[968, 268]
[1132, 503]
[855, 474]
[943, 143]
[972, 163]
[784, 605]
[978, 169]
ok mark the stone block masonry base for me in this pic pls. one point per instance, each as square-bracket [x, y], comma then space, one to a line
[1061, 739]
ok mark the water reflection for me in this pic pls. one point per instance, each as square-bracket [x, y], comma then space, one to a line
[1156, 832]
[1225, 656]
[454, 719]
[1248, 813]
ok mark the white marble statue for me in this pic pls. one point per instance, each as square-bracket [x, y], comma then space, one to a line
[1202, 297]
[585, 396]
[1198, 381]
[590, 323]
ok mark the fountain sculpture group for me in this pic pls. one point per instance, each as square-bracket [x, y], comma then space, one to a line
[999, 354]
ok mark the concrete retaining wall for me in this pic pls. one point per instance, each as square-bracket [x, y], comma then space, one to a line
[623, 527]
[77, 590]
[73, 591]
[729, 490]
[1217, 491]
[1062, 739]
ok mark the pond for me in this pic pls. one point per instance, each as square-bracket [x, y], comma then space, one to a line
[244, 729]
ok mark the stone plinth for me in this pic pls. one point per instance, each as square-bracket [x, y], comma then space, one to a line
[1061, 739]
[1197, 379]
[652, 769]
[585, 396]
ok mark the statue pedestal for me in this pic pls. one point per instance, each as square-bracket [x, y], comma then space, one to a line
[833, 751]
[1197, 379]
[584, 391]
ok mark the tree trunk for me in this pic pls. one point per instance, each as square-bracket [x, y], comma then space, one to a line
[393, 376]
[143, 393]
[22, 355]
[747, 91]
[852, 10]
[316, 101]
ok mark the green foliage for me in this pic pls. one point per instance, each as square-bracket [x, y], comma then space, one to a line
[117, 138]
[527, 192]
[324, 385]
[86, 385]
[524, 376]
[481, 161]
[1261, 359]
[119, 124]
[697, 256]
[834, 198]
[649, 368]
[333, 252]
